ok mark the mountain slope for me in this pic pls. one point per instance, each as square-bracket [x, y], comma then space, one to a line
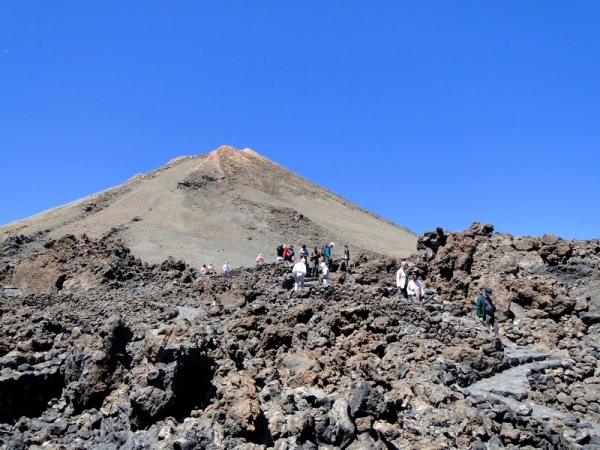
[224, 205]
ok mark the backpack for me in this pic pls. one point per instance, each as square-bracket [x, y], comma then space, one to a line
[323, 250]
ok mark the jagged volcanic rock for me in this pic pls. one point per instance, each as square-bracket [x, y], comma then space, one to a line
[102, 350]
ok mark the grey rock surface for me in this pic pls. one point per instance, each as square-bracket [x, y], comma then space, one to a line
[115, 353]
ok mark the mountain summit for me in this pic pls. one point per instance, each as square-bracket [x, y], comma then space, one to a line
[228, 204]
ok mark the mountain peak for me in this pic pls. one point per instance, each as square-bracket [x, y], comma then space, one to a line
[224, 149]
[227, 151]
[227, 204]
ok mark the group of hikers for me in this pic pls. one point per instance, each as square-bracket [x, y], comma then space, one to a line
[411, 287]
[311, 259]
[308, 262]
[207, 268]
[407, 282]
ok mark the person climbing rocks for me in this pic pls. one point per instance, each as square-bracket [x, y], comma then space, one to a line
[291, 254]
[324, 277]
[486, 311]
[314, 262]
[346, 259]
[260, 260]
[402, 280]
[299, 272]
[414, 288]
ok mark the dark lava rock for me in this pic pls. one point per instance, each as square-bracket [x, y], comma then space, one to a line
[101, 350]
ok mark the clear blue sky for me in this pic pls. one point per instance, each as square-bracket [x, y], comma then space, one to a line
[428, 113]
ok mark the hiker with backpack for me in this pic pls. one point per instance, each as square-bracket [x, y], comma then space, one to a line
[402, 280]
[486, 310]
[326, 254]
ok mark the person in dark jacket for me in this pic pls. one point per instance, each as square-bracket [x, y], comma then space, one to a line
[346, 259]
[486, 310]
[314, 262]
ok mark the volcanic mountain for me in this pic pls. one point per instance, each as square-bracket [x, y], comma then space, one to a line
[101, 349]
[224, 205]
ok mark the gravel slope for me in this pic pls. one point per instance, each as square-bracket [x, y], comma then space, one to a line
[224, 205]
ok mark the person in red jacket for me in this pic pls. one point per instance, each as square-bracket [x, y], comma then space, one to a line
[286, 252]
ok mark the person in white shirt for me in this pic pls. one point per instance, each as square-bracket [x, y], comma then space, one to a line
[226, 268]
[299, 272]
[415, 288]
[402, 280]
[325, 274]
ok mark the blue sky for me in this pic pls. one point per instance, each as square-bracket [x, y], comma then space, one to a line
[428, 113]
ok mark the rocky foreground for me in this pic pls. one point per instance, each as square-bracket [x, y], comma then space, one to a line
[100, 350]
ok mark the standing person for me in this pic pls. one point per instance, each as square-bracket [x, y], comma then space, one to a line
[286, 251]
[325, 274]
[299, 272]
[402, 280]
[347, 258]
[304, 252]
[314, 261]
[486, 310]
[279, 251]
[226, 268]
[291, 254]
[327, 254]
[304, 257]
[260, 260]
[415, 288]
